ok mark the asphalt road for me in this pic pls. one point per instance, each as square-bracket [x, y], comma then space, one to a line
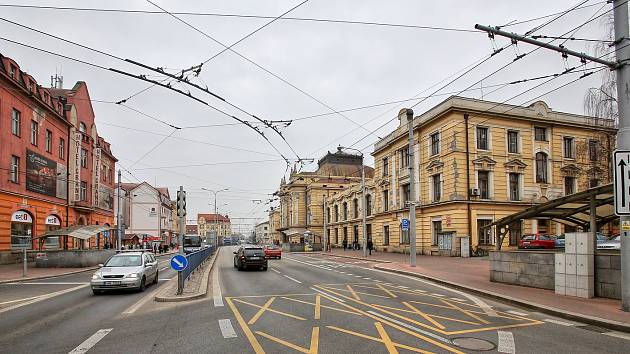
[303, 303]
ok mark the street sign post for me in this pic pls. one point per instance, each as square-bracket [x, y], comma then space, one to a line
[622, 182]
[179, 262]
[405, 224]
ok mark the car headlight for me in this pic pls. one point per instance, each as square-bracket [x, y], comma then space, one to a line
[132, 275]
[96, 276]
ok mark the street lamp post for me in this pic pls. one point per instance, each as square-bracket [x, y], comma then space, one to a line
[363, 201]
[216, 226]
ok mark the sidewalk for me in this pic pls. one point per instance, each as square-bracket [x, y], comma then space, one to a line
[472, 274]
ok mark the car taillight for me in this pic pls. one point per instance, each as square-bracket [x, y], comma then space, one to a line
[242, 257]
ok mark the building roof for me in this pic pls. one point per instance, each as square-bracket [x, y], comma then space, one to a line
[214, 218]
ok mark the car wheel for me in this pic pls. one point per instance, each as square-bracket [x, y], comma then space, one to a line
[279, 257]
[157, 274]
[239, 267]
[96, 292]
[264, 268]
[143, 283]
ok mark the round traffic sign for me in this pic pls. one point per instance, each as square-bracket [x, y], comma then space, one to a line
[179, 262]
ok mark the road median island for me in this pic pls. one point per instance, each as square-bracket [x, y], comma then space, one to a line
[569, 315]
[195, 287]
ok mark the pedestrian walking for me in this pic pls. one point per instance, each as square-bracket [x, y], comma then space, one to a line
[345, 244]
[370, 245]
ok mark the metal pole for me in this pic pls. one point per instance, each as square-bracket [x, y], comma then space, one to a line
[412, 194]
[622, 48]
[216, 217]
[325, 243]
[364, 201]
[120, 218]
[182, 231]
[24, 264]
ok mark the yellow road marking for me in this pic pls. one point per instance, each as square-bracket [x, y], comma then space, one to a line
[313, 347]
[483, 329]
[424, 315]
[499, 313]
[314, 340]
[432, 315]
[262, 310]
[268, 295]
[323, 306]
[361, 335]
[354, 293]
[386, 340]
[466, 312]
[271, 310]
[456, 320]
[248, 332]
[387, 291]
[318, 306]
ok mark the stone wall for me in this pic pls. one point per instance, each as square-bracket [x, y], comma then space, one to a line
[527, 268]
[608, 274]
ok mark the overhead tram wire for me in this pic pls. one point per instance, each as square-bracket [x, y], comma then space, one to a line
[157, 83]
[258, 65]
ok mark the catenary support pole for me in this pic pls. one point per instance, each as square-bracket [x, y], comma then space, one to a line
[364, 202]
[412, 193]
[119, 213]
[622, 49]
[325, 217]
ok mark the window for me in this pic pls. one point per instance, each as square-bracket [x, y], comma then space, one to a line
[435, 143]
[83, 191]
[593, 149]
[355, 230]
[345, 233]
[404, 236]
[568, 144]
[15, 169]
[48, 141]
[540, 134]
[84, 158]
[16, 121]
[355, 207]
[34, 130]
[482, 138]
[512, 141]
[406, 194]
[336, 236]
[368, 231]
[62, 148]
[386, 200]
[593, 182]
[385, 235]
[436, 182]
[436, 228]
[345, 211]
[515, 233]
[385, 166]
[541, 167]
[12, 71]
[404, 157]
[515, 189]
[483, 180]
[368, 205]
[82, 128]
[336, 212]
[484, 232]
[569, 185]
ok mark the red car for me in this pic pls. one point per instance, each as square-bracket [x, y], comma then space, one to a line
[273, 251]
[537, 241]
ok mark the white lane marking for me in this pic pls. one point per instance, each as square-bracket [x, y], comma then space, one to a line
[133, 308]
[562, 323]
[166, 279]
[273, 270]
[51, 283]
[517, 313]
[349, 274]
[19, 300]
[457, 299]
[327, 294]
[403, 287]
[226, 328]
[43, 297]
[618, 335]
[438, 295]
[217, 297]
[165, 268]
[90, 342]
[506, 342]
[440, 338]
[295, 280]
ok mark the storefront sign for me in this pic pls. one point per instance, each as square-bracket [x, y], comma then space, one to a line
[76, 175]
[21, 216]
[97, 176]
[53, 220]
[41, 174]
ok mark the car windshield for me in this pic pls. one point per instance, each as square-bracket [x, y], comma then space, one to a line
[124, 261]
[192, 241]
[253, 252]
[527, 238]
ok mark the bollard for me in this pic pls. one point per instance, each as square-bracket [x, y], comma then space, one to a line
[25, 264]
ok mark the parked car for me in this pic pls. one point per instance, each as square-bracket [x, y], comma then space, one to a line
[128, 270]
[611, 244]
[559, 241]
[250, 256]
[537, 241]
[600, 238]
[273, 251]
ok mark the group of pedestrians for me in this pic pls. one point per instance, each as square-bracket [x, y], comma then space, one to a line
[355, 245]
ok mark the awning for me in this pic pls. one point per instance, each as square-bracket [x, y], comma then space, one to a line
[294, 232]
[83, 232]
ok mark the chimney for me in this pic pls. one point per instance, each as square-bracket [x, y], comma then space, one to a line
[402, 117]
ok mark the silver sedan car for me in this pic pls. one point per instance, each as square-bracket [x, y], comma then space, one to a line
[128, 270]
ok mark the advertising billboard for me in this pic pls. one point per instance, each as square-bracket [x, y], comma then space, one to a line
[41, 174]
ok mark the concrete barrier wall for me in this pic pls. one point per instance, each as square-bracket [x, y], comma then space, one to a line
[608, 274]
[527, 268]
[73, 258]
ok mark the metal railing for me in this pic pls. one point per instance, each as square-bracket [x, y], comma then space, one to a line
[195, 259]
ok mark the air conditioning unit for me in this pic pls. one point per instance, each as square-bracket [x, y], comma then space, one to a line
[474, 192]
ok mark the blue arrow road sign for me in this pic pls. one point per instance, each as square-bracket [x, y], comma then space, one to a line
[179, 262]
[405, 224]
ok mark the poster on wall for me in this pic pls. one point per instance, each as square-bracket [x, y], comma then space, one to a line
[106, 198]
[41, 174]
[62, 185]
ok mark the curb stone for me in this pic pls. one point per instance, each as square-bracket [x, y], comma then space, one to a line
[172, 284]
[568, 315]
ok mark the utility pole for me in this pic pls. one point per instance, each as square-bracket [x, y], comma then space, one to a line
[364, 202]
[118, 213]
[412, 193]
[325, 217]
[622, 51]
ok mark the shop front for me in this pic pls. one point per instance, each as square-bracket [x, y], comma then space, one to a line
[21, 231]
[52, 223]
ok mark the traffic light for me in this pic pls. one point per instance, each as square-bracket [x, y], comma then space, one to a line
[181, 203]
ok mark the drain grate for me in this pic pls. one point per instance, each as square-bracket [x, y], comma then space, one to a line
[472, 343]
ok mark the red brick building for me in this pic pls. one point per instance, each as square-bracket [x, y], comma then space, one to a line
[38, 135]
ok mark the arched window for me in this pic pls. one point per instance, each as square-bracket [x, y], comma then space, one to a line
[541, 167]
[52, 223]
[82, 127]
[336, 212]
[368, 205]
[345, 211]
[21, 230]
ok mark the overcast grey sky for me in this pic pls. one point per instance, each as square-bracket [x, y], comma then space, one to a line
[342, 65]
